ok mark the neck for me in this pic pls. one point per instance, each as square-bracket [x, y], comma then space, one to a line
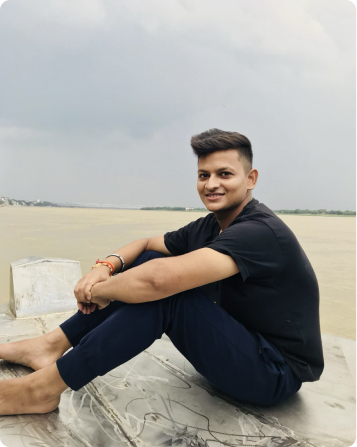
[224, 218]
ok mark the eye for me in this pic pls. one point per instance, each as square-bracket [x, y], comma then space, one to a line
[225, 173]
[202, 175]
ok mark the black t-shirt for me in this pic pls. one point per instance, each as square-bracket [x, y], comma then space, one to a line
[275, 292]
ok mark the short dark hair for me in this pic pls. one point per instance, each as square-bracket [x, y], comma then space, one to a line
[220, 140]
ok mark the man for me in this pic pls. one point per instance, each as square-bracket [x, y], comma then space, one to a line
[234, 291]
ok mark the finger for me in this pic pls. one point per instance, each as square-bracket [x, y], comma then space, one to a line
[93, 307]
[80, 295]
[80, 306]
[88, 306]
[86, 291]
[78, 289]
[83, 299]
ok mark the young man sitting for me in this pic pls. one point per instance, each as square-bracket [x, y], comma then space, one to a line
[234, 291]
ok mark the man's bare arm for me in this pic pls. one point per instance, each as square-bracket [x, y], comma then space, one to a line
[129, 253]
[163, 277]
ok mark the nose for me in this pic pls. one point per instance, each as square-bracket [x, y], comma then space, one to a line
[212, 183]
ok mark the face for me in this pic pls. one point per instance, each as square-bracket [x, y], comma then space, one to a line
[222, 182]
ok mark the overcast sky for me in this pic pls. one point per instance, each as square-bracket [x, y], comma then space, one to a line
[99, 98]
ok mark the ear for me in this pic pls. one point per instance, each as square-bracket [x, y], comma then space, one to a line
[252, 178]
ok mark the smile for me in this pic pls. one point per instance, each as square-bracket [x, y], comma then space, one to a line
[213, 196]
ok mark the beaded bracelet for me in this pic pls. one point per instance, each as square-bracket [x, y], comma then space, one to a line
[107, 263]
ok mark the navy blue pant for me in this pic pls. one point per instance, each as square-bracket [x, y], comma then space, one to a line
[238, 362]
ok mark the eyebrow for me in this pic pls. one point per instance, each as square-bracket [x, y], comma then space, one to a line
[219, 169]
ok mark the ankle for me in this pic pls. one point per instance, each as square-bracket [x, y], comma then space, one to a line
[39, 391]
[58, 340]
[46, 384]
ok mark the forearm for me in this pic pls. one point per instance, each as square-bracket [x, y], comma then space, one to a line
[143, 283]
[129, 253]
[136, 285]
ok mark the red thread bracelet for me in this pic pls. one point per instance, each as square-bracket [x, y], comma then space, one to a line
[107, 263]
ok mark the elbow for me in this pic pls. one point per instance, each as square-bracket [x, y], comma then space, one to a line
[157, 283]
[163, 282]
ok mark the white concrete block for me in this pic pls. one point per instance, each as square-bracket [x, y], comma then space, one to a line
[42, 286]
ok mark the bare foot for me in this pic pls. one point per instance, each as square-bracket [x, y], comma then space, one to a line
[38, 352]
[35, 393]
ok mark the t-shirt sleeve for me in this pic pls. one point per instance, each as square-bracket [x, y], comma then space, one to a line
[253, 246]
[177, 242]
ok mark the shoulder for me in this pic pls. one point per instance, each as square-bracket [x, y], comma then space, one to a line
[253, 230]
[249, 232]
[190, 236]
[205, 221]
[201, 224]
[257, 217]
[256, 210]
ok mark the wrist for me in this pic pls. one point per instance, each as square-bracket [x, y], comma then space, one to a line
[105, 268]
[108, 264]
[117, 261]
[102, 269]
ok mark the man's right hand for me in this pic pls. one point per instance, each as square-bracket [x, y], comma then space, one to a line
[82, 290]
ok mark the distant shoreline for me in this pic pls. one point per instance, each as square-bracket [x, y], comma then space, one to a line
[6, 201]
[325, 213]
[317, 215]
[279, 212]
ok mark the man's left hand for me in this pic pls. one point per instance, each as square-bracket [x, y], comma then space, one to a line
[87, 307]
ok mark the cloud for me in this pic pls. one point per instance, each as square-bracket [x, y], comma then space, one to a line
[130, 82]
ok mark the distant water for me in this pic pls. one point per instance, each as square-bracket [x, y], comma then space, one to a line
[88, 234]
